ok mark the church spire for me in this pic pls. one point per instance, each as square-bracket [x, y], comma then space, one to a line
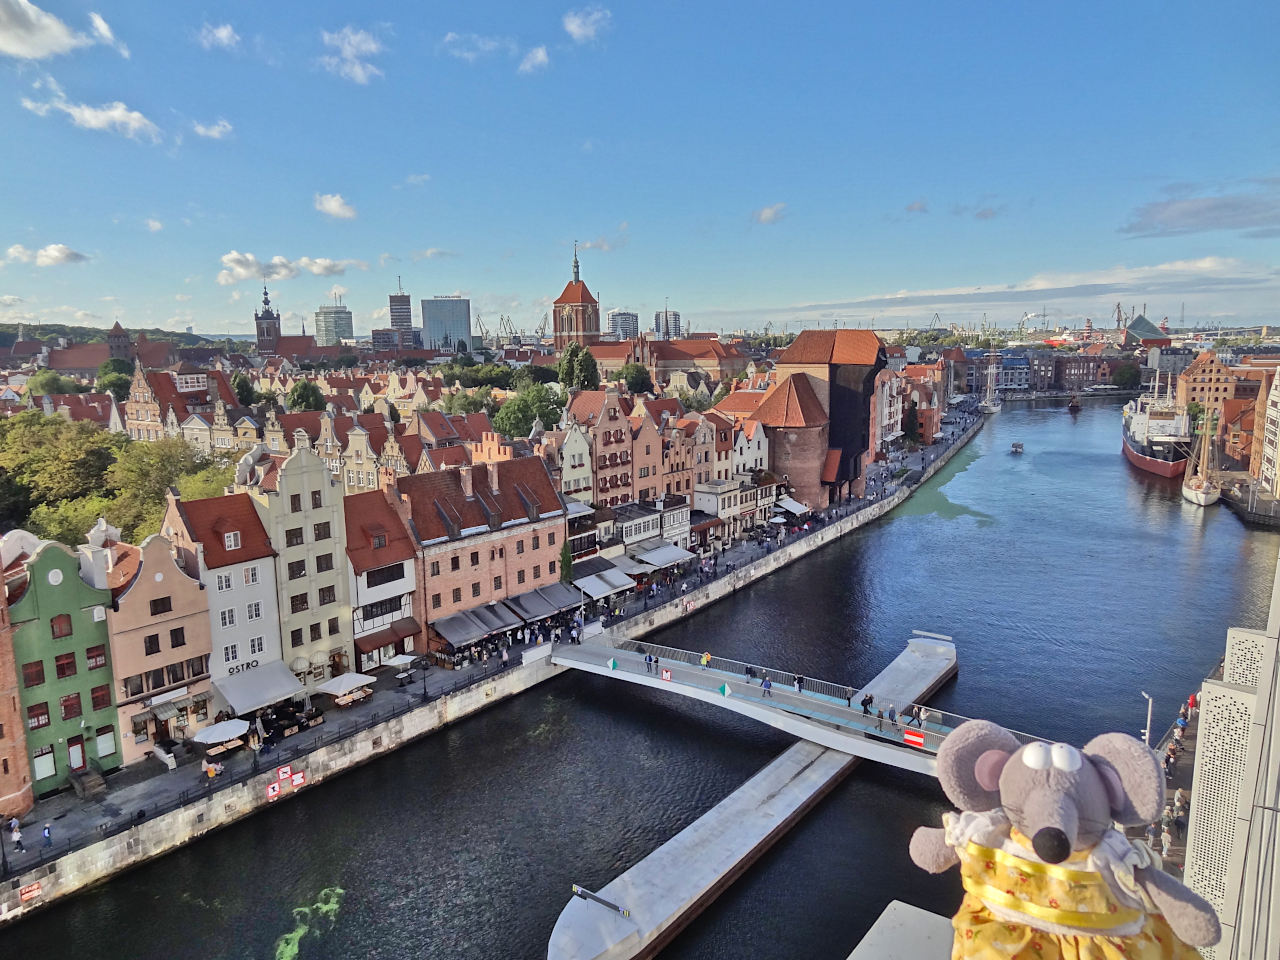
[266, 300]
[576, 278]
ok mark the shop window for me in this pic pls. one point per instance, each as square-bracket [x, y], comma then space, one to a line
[42, 763]
[106, 741]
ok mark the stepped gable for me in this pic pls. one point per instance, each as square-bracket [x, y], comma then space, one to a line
[791, 403]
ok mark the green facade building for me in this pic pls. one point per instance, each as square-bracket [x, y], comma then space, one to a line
[63, 663]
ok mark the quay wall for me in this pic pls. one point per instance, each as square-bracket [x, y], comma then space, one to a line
[28, 891]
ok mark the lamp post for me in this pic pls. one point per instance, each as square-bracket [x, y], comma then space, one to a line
[1146, 733]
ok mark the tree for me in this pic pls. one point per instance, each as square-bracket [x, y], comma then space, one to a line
[346, 360]
[541, 374]
[636, 376]
[67, 521]
[244, 389]
[722, 391]
[1127, 376]
[212, 481]
[53, 459]
[117, 384]
[569, 363]
[49, 381]
[566, 563]
[481, 401]
[141, 475]
[305, 395]
[586, 373]
[693, 401]
[911, 423]
[116, 365]
[515, 417]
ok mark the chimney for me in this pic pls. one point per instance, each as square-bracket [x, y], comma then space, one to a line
[94, 564]
[467, 480]
[492, 470]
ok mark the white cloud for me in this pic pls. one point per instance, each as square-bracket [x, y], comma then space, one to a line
[583, 25]
[214, 131]
[918, 206]
[223, 36]
[417, 179]
[19, 254]
[237, 266]
[334, 206]
[605, 244]
[113, 117]
[431, 253]
[29, 33]
[50, 256]
[182, 297]
[770, 214]
[385, 258]
[9, 300]
[534, 60]
[1253, 210]
[471, 47]
[337, 290]
[155, 226]
[85, 315]
[352, 49]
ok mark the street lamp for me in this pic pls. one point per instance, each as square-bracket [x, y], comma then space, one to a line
[1146, 733]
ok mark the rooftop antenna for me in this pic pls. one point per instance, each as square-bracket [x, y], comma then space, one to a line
[399, 285]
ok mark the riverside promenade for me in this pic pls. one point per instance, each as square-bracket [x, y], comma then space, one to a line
[149, 810]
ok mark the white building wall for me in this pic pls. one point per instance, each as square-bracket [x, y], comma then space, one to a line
[232, 651]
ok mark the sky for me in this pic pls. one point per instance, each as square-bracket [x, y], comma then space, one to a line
[798, 164]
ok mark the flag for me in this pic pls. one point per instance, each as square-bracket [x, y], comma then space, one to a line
[914, 738]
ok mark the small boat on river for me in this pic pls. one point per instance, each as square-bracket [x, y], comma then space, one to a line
[1073, 405]
[1017, 447]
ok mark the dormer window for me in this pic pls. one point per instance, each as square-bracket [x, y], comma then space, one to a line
[379, 541]
[231, 541]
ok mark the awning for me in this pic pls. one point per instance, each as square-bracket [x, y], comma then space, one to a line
[460, 629]
[495, 617]
[706, 525]
[791, 506]
[164, 711]
[202, 697]
[319, 658]
[617, 579]
[631, 567]
[300, 665]
[594, 587]
[896, 435]
[939, 435]
[387, 636]
[666, 555]
[344, 683]
[561, 596]
[183, 703]
[260, 687]
[531, 606]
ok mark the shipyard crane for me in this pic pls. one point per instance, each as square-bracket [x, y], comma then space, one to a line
[542, 327]
[507, 329]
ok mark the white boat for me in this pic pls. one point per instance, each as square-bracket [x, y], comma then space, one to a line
[1199, 487]
[990, 403]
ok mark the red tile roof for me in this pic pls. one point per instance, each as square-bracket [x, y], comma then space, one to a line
[471, 427]
[741, 403]
[575, 292]
[90, 407]
[456, 456]
[440, 508]
[79, 356]
[833, 346]
[368, 515]
[791, 403]
[209, 519]
[831, 466]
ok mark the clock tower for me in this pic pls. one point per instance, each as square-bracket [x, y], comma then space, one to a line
[576, 312]
[267, 323]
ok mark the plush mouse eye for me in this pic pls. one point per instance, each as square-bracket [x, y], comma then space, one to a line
[1065, 757]
[1036, 756]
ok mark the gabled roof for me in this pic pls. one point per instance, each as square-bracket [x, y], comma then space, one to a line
[441, 509]
[575, 291]
[458, 455]
[741, 403]
[833, 346]
[368, 515]
[791, 403]
[210, 519]
[585, 406]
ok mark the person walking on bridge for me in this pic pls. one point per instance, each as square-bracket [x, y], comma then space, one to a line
[648, 663]
[893, 717]
[867, 701]
[880, 720]
[706, 660]
[767, 686]
[915, 717]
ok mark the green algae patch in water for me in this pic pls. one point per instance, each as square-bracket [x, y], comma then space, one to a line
[310, 922]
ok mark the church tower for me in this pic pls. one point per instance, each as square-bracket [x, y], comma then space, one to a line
[267, 322]
[118, 345]
[576, 312]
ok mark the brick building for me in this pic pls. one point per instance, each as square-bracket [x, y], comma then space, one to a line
[15, 770]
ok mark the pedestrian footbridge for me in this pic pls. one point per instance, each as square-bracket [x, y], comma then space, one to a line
[820, 713]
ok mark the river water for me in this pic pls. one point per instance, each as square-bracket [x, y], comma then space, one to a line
[1069, 580]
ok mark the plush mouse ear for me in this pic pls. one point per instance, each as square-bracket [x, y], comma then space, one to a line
[1132, 777]
[969, 763]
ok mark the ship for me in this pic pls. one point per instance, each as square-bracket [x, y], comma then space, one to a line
[1199, 486]
[991, 400]
[1156, 434]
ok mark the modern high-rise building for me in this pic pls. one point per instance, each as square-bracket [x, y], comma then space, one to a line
[624, 324]
[401, 309]
[445, 321]
[666, 324]
[333, 324]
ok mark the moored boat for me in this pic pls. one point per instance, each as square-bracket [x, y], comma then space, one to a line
[1156, 435]
[991, 402]
[1199, 487]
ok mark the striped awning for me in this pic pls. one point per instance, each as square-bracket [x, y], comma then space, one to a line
[164, 711]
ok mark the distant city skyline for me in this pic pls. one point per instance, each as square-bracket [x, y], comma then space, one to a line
[859, 165]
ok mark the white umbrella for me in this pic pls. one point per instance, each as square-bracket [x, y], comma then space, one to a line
[778, 520]
[222, 732]
[399, 660]
[344, 684]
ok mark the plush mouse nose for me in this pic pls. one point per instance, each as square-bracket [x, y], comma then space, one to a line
[1051, 845]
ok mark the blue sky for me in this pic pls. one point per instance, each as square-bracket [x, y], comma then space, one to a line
[798, 163]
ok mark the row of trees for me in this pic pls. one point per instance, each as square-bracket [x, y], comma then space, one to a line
[58, 477]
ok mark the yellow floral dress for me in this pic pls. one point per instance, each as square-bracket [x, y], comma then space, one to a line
[1017, 906]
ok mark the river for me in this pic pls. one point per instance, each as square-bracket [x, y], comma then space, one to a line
[1069, 580]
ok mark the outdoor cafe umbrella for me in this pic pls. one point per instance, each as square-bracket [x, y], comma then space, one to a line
[344, 683]
[222, 732]
[399, 660]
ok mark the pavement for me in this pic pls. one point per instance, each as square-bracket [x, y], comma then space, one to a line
[1183, 770]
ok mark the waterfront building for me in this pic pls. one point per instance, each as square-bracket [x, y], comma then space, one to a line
[666, 325]
[383, 577]
[724, 500]
[16, 796]
[568, 454]
[445, 321]
[333, 324]
[299, 503]
[221, 541]
[575, 313]
[59, 625]
[1209, 382]
[1267, 454]
[799, 437]
[623, 324]
[1169, 361]
[750, 448]
[646, 456]
[160, 636]
[888, 401]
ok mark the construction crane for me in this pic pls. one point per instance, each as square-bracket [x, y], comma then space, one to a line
[768, 326]
[506, 330]
[542, 327]
[480, 326]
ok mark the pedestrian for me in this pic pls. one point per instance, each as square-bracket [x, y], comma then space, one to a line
[648, 663]
[879, 719]
[47, 833]
[767, 686]
[1193, 704]
[505, 658]
[706, 660]
[924, 716]
[866, 705]
[915, 716]
[848, 696]
[656, 661]
[16, 835]
[1153, 834]
[893, 717]
[1183, 713]
[1166, 841]
[799, 684]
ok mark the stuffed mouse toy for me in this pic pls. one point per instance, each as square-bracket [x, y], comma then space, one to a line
[1045, 873]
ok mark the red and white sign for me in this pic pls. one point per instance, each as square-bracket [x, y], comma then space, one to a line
[914, 738]
[29, 892]
[299, 779]
[666, 674]
[285, 772]
[273, 790]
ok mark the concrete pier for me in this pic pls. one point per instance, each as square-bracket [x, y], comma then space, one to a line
[671, 886]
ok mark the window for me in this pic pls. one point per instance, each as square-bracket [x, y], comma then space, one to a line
[295, 637]
[551, 539]
[435, 568]
[475, 589]
[197, 666]
[37, 716]
[519, 546]
[230, 653]
[327, 595]
[297, 569]
[435, 601]
[497, 583]
[457, 594]
[60, 625]
[224, 582]
[455, 563]
[321, 530]
[151, 644]
[475, 558]
[387, 574]
[154, 678]
[315, 631]
[177, 637]
[33, 673]
[231, 541]
[161, 605]
[293, 538]
[255, 645]
[132, 685]
[295, 503]
[106, 741]
[174, 673]
[316, 503]
[519, 576]
[333, 626]
[537, 570]
[382, 608]
[227, 618]
[43, 764]
[96, 657]
[324, 563]
[551, 568]
[298, 602]
[379, 541]
[70, 706]
[254, 611]
[250, 575]
[537, 541]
